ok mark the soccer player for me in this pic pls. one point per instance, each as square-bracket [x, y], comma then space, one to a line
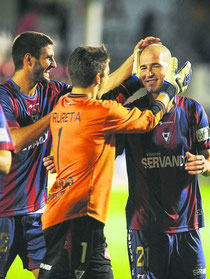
[27, 100]
[6, 146]
[164, 209]
[83, 129]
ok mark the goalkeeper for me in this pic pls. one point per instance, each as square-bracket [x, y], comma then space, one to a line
[164, 209]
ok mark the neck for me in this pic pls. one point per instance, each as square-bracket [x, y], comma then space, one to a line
[22, 79]
[91, 91]
[153, 96]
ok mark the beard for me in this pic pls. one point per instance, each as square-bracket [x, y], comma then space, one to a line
[39, 74]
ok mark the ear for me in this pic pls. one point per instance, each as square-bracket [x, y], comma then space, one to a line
[28, 59]
[97, 79]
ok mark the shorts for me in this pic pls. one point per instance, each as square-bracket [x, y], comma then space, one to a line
[23, 236]
[166, 256]
[76, 249]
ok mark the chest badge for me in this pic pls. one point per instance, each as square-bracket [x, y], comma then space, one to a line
[166, 135]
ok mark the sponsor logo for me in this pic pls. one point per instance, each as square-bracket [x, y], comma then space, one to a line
[45, 266]
[203, 134]
[163, 161]
[106, 254]
[199, 271]
[199, 211]
[4, 135]
[41, 140]
[166, 122]
[4, 241]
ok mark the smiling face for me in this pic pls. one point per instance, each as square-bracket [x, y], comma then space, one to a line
[154, 61]
[43, 65]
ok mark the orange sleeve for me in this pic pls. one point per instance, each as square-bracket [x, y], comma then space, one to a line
[121, 119]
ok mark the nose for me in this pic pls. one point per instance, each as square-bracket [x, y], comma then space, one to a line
[149, 72]
[53, 63]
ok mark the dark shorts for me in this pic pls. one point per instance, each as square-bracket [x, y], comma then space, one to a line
[23, 236]
[166, 256]
[76, 249]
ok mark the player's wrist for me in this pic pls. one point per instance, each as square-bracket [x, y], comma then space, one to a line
[168, 89]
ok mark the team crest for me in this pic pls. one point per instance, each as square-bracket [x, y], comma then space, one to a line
[166, 135]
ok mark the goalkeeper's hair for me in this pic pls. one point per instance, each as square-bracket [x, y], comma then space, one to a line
[85, 63]
[28, 42]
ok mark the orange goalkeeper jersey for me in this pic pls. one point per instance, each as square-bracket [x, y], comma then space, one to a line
[84, 153]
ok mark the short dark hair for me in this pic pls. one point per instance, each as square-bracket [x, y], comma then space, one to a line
[85, 62]
[28, 42]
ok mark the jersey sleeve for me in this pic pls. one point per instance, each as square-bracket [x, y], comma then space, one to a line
[121, 119]
[5, 137]
[120, 144]
[121, 93]
[9, 108]
[202, 128]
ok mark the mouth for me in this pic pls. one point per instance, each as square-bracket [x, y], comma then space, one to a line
[151, 81]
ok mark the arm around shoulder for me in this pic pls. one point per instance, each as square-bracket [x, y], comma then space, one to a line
[24, 136]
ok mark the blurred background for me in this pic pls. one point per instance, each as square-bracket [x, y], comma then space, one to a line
[182, 25]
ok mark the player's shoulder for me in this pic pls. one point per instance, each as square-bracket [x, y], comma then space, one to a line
[8, 90]
[55, 86]
[8, 86]
[106, 104]
[188, 103]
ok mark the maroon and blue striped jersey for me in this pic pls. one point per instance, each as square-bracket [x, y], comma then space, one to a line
[5, 137]
[24, 189]
[163, 197]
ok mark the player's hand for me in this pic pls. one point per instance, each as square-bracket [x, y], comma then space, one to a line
[184, 76]
[48, 162]
[145, 42]
[195, 164]
[174, 81]
[137, 52]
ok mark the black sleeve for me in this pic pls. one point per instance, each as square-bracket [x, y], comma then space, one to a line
[119, 143]
[124, 90]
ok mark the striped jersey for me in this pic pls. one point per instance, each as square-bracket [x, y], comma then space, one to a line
[163, 197]
[24, 189]
[5, 137]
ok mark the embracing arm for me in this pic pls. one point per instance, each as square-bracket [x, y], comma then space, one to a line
[24, 136]
[198, 164]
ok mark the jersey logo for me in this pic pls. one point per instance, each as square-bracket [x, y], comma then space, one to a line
[79, 273]
[166, 135]
[33, 111]
[203, 134]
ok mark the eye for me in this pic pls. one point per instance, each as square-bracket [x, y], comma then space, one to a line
[156, 65]
[50, 58]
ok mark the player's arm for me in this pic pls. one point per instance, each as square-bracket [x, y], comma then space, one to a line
[5, 161]
[198, 164]
[24, 136]
[124, 90]
[125, 70]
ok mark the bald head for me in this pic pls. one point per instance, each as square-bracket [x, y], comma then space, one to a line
[157, 50]
[154, 61]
